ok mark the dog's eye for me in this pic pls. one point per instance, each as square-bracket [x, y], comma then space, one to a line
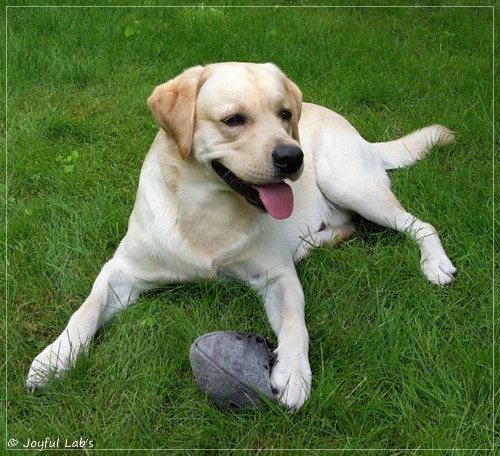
[234, 120]
[285, 114]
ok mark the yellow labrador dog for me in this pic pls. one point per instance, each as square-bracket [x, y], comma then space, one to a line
[242, 180]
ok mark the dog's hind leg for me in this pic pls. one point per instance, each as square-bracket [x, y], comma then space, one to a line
[373, 200]
[351, 173]
[384, 209]
[113, 290]
[325, 236]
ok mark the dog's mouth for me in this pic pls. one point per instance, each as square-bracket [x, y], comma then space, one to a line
[275, 199]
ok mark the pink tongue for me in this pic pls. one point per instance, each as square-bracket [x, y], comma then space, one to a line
[277, 199]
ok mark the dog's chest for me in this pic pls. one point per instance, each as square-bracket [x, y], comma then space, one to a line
[217, 237]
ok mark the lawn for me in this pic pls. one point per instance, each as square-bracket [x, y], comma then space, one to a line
[397, 363]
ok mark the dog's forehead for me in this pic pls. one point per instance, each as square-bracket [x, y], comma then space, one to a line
[234, 82]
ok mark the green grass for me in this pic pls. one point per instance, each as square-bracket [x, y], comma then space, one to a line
[397, 363]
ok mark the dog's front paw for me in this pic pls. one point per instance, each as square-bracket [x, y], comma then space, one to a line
[291, 381]
[54, 360]
[438, 269]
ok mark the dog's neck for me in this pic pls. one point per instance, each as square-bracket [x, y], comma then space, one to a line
[167, 176]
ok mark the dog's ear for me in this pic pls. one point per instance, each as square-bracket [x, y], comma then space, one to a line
[174, 105]
[295, 96]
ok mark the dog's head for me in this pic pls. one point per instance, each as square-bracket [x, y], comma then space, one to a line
[239, 120]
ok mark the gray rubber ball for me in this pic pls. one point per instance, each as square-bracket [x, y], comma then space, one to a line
[233, 369]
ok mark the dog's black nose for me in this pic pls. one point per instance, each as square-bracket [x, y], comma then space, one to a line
[288, 158]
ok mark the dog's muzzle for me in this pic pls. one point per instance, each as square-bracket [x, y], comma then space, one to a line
[275, 198]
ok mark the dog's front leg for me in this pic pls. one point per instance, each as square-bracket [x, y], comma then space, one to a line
[113, 290]
[291, 375]
[271, 272]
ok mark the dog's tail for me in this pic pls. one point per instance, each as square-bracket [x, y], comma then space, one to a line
[410, 148]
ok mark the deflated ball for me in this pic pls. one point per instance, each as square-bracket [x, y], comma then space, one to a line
[233, 369]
